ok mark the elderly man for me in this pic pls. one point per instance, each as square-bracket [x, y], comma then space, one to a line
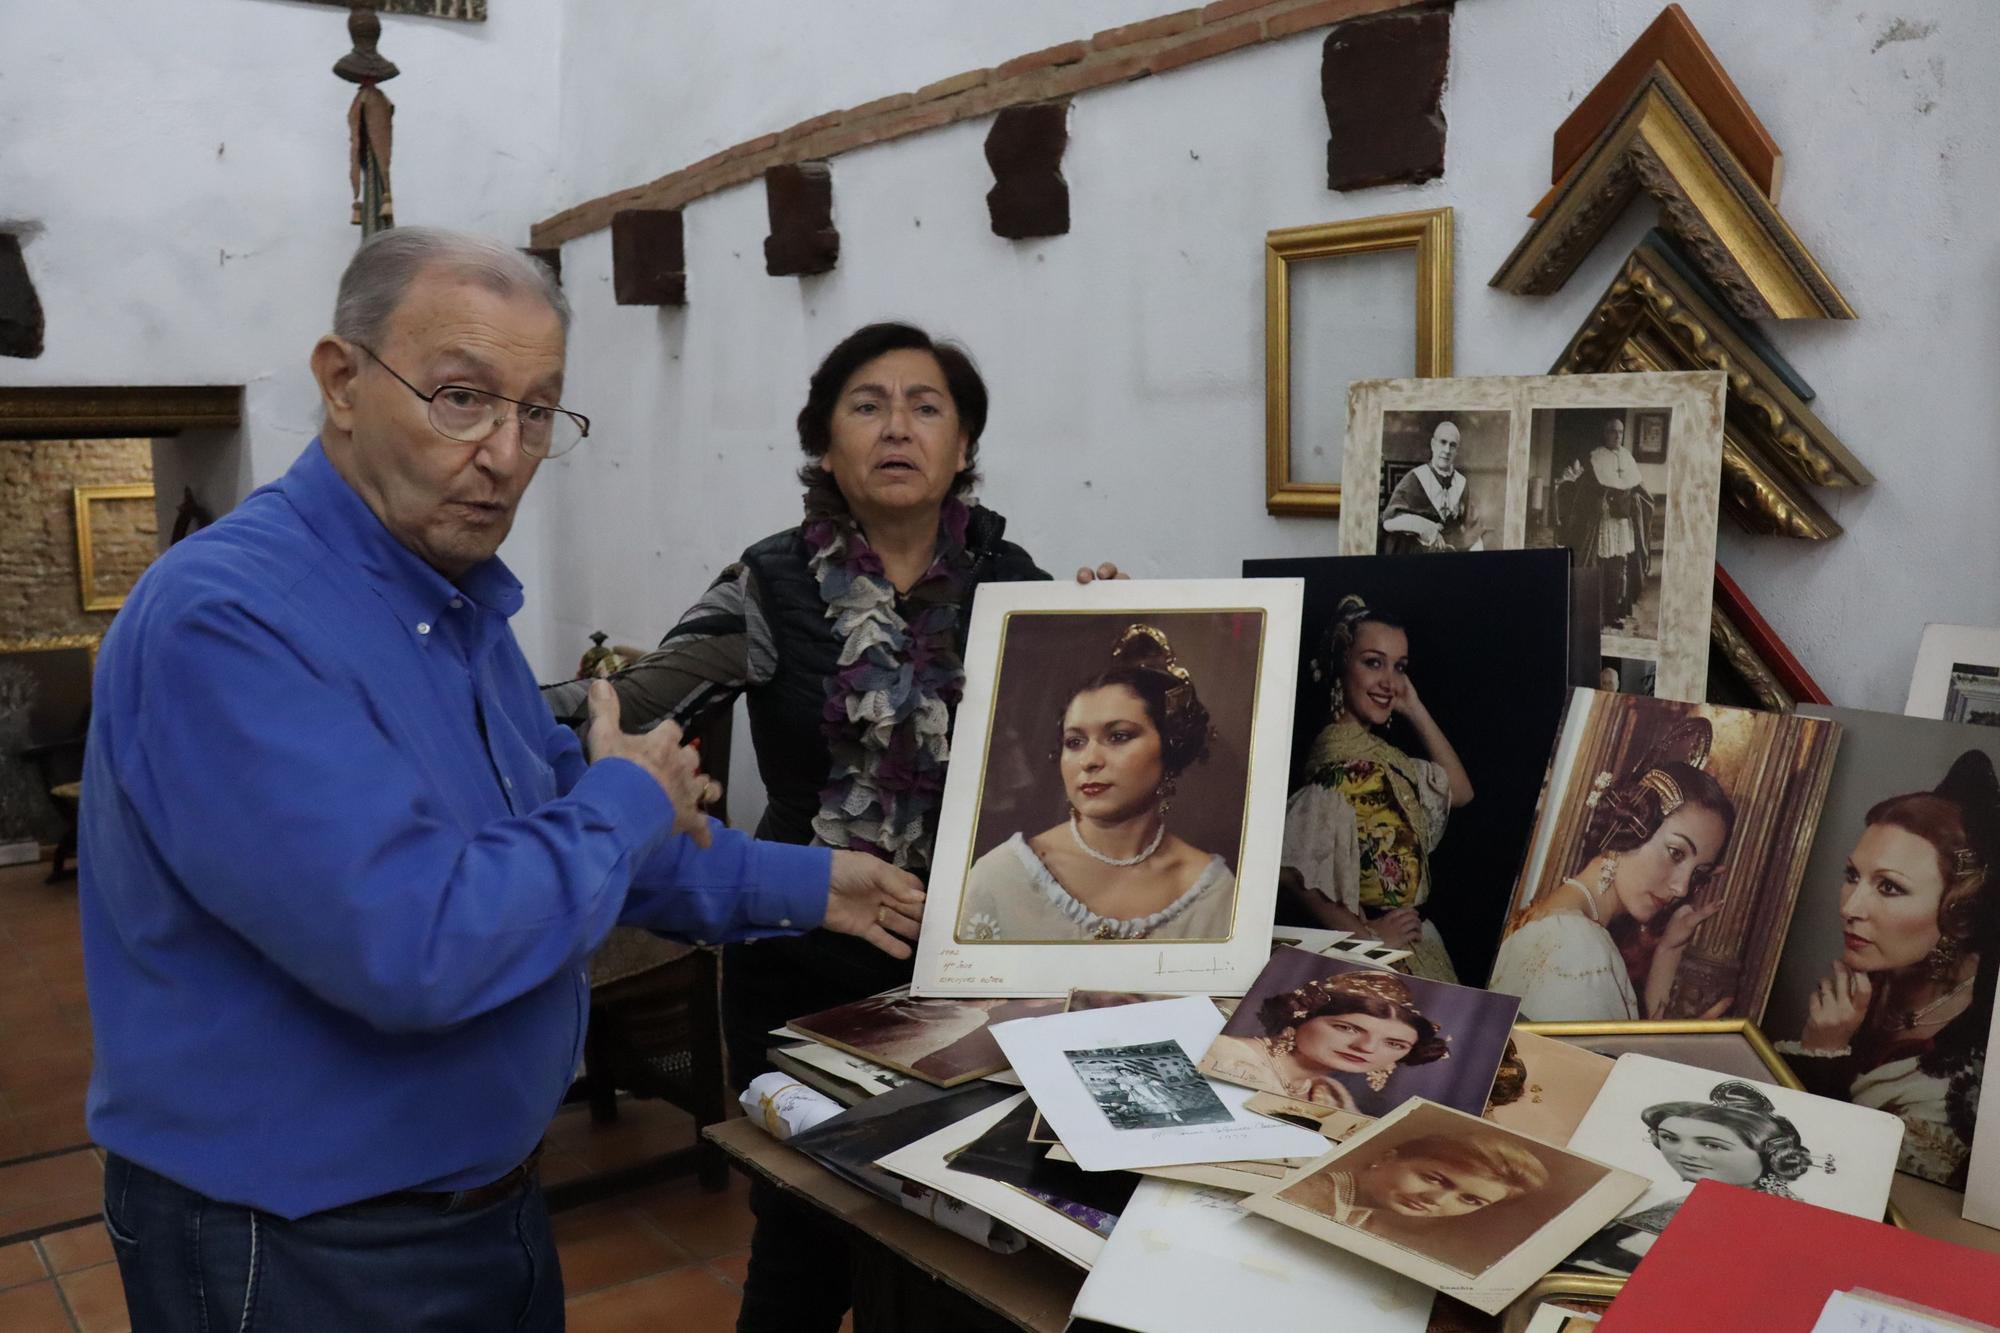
[1603, 513]
[1429, 509]
[342, 868]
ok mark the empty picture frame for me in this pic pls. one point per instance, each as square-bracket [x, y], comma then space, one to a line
[103, 595]
[1326, 325]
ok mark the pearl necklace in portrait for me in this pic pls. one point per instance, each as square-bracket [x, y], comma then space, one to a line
[1076, 832]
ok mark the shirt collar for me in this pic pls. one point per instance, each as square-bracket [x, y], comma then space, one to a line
[417, 593]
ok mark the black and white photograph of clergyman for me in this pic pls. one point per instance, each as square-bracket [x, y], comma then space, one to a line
[1148, 1086]
[1444, 481]
[1113, 802]
[1602, 502]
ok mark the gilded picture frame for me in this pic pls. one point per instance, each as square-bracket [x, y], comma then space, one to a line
[1427, 233]
[83, 497]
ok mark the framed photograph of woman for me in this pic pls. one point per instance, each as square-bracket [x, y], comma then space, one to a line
[1113, 814]
[1884, 991]
[1678, 1125]
[1567, 477]
[1413, 784]
[1477, 1211]
[1666, 856]
[1360, 1039]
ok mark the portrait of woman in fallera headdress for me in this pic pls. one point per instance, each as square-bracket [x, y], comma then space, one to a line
[1900, 1020]
[1653, 841]
[1335, 1041]
[1113, 868]
[1360, 829]
[1735, 1137]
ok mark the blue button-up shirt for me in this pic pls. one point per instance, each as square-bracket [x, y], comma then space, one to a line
[341, 869]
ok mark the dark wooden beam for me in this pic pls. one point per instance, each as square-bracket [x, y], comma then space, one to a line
[1382, 79]
[648, 257]
[803, 241]
[1025, 149]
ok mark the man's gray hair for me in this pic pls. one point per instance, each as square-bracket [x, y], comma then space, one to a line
[386, 264]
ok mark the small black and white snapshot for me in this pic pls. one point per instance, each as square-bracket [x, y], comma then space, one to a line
[1150, 1086]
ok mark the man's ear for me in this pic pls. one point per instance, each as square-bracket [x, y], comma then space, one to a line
[335, 364]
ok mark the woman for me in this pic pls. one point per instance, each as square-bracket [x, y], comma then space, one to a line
[1734, 1137]
[1421, 1183]
[813, 625]
[1112, 870]
[1360, 832]
[1900, 1021]
[1654, 840]
[1327, 1039]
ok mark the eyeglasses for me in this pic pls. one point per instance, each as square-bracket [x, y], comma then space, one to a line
[472, 416]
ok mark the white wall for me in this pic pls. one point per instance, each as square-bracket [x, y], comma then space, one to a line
[182, 169]
[1126, 358]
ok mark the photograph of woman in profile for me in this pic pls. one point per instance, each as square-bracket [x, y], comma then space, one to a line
[1652, 842]
[1112, 869]
[1734, 1137]
[1360, 830]
[1900, 1020]
[1334, 1042]
[1418, 1189]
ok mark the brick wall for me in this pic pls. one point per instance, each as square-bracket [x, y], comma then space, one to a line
[38, 588]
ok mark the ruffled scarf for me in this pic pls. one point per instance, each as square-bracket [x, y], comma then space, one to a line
[888, 708]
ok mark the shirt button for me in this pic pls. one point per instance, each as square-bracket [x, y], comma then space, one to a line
[508, 783]
[457, 602]
[423, 627]
[784, 923]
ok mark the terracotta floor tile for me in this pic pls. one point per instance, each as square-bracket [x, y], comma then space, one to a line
[56, 1092]
[33, 1309]
[704, 1224]
[24, 1010]
[732, 1268]
[96, 1298]
[20, 1263]
[13, 1138]
[687, 1300]
[558, 1166]
[607, 1248]
[46, 1214]
[71, 1173]
[37, 1057]
[57, 1128]
[77, 1248]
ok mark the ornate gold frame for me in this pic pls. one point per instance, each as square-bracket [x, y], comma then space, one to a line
[53, 643]
[86, 556]
[1429, 234]
[1660, 143]
[117, 413]
[1653, 317]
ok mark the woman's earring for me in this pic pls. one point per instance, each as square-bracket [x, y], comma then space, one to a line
[1338, 697]
[1942, 960]
[1164, 794]
[1608, 874]
[1378, 1079]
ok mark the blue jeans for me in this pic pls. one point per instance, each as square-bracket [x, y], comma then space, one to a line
[193, 1265]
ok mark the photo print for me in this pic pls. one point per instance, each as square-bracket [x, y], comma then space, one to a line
[1884, 993]
[1666, 857]
[1544, 1086]
[1973, 694]
[1623, 471]
[1428, 696]
[1957, 675]
[1113, 750]
[1149, 1086]
[1475, 1210]
[1677, 1126]
[1078, 1001]
[1359, 1039]
[942, 1041]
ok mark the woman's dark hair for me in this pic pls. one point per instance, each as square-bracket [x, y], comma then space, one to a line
[857, 349]
[1329, 664]
[1511, 1082]
[1276, 1014]
[1746, 1113]
[1143, 663]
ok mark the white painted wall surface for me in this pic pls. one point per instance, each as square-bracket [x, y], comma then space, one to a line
[182, 168]
[1126, 359]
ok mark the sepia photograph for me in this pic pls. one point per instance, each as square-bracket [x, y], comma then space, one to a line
[1624, 471]
[1678, 1125]
[1545, 1086]
[1111, 750]
[1428, 697]
[1355, 1038]
[1878, 998]
[1149, 1086]
[944, 1042]
[1443, 481]
[1476, 1210]
[1667, 854]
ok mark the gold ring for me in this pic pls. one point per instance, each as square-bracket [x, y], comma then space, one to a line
[882, 916]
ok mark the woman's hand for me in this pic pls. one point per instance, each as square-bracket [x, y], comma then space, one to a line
[1405, 700]
[1399, 929]
[1687, 919]
[868, 898]
[1107, 570]
[1838, 1008]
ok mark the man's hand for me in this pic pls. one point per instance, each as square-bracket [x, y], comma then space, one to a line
[872, 900]
[676, 767]
[1107, 570]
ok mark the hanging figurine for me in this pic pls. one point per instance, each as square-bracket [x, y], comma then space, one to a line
[369, 134]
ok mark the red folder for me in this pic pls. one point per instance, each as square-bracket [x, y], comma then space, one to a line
[1736, 1261]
